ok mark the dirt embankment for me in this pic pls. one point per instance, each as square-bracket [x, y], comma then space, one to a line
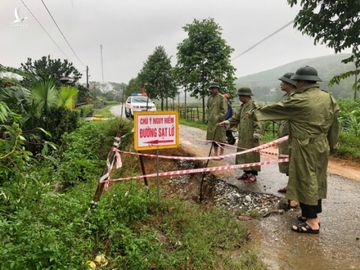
[346, 168]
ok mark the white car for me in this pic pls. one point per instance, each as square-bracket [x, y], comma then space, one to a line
[138, 103]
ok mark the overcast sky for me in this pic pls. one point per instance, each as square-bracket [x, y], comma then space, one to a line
[129, 31]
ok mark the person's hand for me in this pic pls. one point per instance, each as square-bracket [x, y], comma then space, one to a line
[221, 124]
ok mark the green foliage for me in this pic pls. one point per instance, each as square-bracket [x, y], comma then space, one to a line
[203, 57]
[16, 98]
[157, 76]
[83, 152]
[105, 111]
[350, 116]
[349, 145]
[47, 69]
[43, 97]
[60, 120]
[67, 97]
[14, 159]
[334, 23]
[4, 112]
[44, 229]
[134, 86]
[86, 110]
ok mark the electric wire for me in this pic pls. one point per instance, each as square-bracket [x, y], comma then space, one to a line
[44, 29]
[62, 34]
[265, 38]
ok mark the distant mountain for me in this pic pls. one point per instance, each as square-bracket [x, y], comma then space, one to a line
[266, 86]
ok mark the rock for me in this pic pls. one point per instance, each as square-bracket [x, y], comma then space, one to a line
[293, 204]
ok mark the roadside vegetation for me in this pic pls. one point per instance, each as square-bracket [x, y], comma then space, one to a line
[47, 223]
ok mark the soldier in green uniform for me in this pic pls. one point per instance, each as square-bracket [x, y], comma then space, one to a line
[216, 110]
[249, 131]
[288, 86]
[313, 133]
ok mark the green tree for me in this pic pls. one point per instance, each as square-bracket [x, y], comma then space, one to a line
[47, 69]
[134, 86]
[157, 76]
[203, 57]
[336, 24]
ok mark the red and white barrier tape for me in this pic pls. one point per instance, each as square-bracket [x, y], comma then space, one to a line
[202, 170]
[236, 147]
[115, 161]
[255, 149]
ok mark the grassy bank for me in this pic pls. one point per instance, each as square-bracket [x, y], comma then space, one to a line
[46, 222]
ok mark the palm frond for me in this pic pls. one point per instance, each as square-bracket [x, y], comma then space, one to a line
[67, 97]
[44, 96]
[4, 112]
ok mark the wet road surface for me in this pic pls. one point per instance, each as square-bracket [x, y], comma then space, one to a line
[336, 247]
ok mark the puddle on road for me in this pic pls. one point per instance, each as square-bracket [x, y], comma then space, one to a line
[278, 246]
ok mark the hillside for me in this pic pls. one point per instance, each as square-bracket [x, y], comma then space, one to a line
[265, 84]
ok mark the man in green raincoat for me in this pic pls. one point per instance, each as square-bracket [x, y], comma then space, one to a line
[249, 131]
[288, 86]
[216, 108]
[313, 133]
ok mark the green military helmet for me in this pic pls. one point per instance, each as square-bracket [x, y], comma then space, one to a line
[287, 78]
[306, 73]
[214, 85]
[244, 91]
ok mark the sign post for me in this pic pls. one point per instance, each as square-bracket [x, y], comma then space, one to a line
[156, 130]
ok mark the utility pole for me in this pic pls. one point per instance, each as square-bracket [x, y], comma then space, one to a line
[87, 77]
[102, 64]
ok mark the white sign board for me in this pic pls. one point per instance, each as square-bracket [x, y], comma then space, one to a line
[156, 130]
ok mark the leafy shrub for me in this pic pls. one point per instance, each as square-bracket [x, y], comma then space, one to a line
[83, 153]
[350, 116]
[14, 159]
[43, 229]
[349, 145]
[61, 120]
[86, 110]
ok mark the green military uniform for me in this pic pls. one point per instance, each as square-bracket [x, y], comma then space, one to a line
[284, 147]
[247, 127]
[217, 108]
[313, 131]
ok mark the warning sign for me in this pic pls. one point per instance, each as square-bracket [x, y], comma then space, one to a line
[156, 130]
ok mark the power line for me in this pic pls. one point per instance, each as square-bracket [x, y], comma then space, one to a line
[43, 28]
[62, 34]
[262, 40]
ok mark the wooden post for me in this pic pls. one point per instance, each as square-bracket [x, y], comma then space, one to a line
[111, 156]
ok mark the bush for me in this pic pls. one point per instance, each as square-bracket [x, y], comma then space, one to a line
[44, 229]
[349, 145]
[86, 110]
[83, 153]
